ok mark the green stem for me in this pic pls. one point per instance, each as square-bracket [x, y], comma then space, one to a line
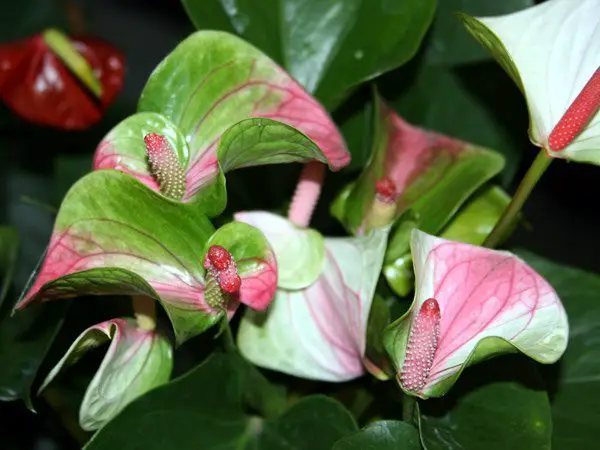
[507, 220]
[408, 408]
[228, 341]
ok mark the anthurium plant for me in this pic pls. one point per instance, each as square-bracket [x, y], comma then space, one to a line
[273, 253]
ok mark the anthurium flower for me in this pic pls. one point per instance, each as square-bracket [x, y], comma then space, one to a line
[552, 52]
[413, 169]
[136, 361]
[471, 303]
[221, 104]
[317, 331]
[61, 82]
[114, 236]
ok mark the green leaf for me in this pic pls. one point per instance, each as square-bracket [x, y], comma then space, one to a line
[24, 340]
[329, 47]
[574, 383]
[114, 236]
[376, 358]
[433, 174]
[9, 244]
[202, 409]
[449, 44]
[496, 405]
[314, 423]
[382, 435]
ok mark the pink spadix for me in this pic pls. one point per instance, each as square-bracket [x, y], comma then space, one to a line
[222, 270]
[165, 166]
[579, 114]
[422, 345]
[386, 190]
[307, 193]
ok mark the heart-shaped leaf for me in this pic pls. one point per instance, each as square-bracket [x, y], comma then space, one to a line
[319, 332]
[574, 383]
[552, 52]
[234, 108]
[328, 47]
[382, 435]
[136, 361]
[471, 303]
[498, 405]
[114, 236]
[432, 174]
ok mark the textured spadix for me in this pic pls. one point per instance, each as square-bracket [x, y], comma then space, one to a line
[490, 302]
[552, 52]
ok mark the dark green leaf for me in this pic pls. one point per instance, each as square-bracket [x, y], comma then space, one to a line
[382, 435]
[497, 405]
[202, 409]
[314, 423]
[574, 383]
[449, 43]
[329, 47]
[9, 244]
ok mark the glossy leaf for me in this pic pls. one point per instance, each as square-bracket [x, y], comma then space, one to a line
[235, 108]
[433, 174]
[471, 225]
[300, 252]
[574, 383]
[552, 51]
[136, 362]
[128, 240]
[382, 435]
[489, 302]
[498, 405]
[328, 47]
[326, 419]
[203, 407]
[38, 86]
[448, 42]
[319, 332]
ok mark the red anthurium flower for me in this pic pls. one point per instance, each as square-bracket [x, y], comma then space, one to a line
[61, 82]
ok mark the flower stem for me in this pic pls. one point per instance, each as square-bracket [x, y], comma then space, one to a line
[507, 220]
[307, 193]
[144, 309]
[408, 408]
[228, 341]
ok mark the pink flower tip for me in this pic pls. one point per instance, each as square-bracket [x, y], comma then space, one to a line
[421, 348]
[221, 266]
[165, 166]
[386, 190]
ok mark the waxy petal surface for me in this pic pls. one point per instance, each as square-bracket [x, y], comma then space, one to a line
[551, 50]
[114, 236]
[300, 252]
[432, 174]
[38, 86]
[135, 362]
[482, 294]
[319, 332]
[235, 108]
[255, 259]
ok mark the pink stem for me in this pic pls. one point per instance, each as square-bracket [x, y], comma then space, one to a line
[307, 193]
